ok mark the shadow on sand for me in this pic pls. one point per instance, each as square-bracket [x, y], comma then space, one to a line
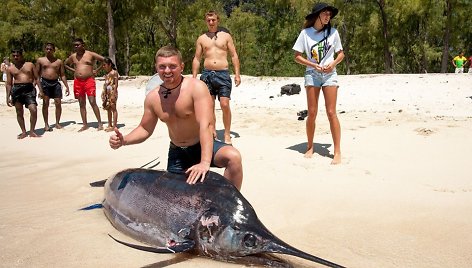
[321, 149]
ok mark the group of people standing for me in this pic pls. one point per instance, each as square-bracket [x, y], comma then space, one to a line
[23, 77]
[186, 104]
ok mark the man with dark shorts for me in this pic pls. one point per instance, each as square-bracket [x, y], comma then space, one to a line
[21, 80]
[50, 70]
[83, 62]
[185, 106]
[214, 46]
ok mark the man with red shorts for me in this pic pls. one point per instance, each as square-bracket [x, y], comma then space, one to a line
[83, 62]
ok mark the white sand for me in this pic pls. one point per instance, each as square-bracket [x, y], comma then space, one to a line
[401, 198]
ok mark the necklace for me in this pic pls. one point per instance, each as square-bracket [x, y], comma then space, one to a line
[168, 91]
[212, 34]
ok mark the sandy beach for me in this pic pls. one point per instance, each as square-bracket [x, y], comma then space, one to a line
[402, 196]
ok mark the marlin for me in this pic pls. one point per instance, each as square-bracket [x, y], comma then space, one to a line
[210, 218]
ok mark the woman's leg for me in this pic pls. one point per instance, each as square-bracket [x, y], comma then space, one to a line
[312, 96]
[330, 94]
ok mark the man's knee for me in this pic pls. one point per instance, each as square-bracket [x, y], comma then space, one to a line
[228, 156]
[92, 100]
[224, 103]
[32, 108]
[233, 156]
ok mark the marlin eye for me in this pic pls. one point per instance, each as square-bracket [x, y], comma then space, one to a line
[249, 240]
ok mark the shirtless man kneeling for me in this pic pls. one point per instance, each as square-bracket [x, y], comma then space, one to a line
[185, 106]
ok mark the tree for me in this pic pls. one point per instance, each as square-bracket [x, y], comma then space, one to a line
[111, 32]
[386, 37]
[446, 36]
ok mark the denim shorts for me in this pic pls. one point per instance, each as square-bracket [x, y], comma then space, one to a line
[317, 79]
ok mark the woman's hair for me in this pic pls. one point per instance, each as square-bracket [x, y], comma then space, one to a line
[311, 22]
[110, 62]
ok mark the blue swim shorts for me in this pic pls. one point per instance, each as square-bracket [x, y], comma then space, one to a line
[317, 79]
[218, 82]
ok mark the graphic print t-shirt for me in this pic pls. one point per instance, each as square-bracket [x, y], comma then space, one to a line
[310, 41]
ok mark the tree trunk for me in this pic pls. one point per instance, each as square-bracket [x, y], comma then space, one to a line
[111, 32]
[446, 37]
[169, 23]
[346, 46]
[127, 66]
[386, 43]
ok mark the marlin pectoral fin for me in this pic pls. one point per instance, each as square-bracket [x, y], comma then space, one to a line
[176, 248]
[94, 206]
[98, 183]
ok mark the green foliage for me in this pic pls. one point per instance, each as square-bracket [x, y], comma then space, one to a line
[264, 31]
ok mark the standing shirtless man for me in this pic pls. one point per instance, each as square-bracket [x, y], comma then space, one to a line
[214, 46]
[83, 62]
[50, 69]
[21, 80]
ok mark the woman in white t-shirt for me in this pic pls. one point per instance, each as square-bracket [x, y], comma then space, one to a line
[320, 42]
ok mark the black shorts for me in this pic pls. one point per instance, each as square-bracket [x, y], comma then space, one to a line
[181, 158]
[218, 82]
[24, 93]
[51, 88]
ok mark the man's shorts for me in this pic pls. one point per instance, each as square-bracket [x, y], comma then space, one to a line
[84, 87]
[459, 70]
[317, 79]
[181, 158]
[218, 82]
[51, 88]
[24, 93]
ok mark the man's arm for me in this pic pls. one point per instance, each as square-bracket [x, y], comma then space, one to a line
[8, 87]
[99, 59]
[143, 131]
[62, 74]
[67, 63]
[197, 58]
[36, 80]
[234, 60]
[203, 106]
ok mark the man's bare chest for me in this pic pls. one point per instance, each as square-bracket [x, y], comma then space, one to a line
[175, 112]
[24, 69]
[215, 45]
[55, 65]
[83, 59]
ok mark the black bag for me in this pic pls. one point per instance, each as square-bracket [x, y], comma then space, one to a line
[290, 89]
